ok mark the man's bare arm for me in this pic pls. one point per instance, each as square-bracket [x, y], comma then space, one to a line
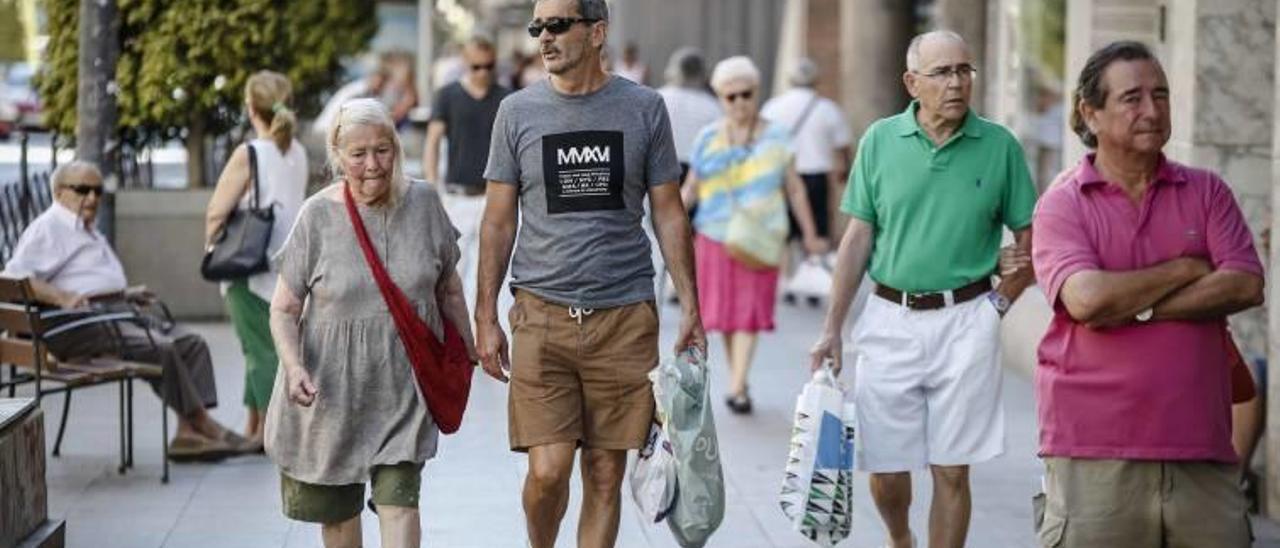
[851, 264]
[1013, 284]
[497, 237]
[431, 153]
[1099, 298]
[1214, 296]
[671, 225]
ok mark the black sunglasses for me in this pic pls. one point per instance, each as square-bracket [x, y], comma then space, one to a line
[744, 95]
[555, 25]
[84, 190]
[477, 68]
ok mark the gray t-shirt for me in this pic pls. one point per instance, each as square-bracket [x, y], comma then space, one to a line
[584, 164]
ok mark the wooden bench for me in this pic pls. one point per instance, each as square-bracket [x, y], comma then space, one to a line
[24, 330]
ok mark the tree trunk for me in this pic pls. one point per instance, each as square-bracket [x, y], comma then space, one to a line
[195, 142]
[97, 139]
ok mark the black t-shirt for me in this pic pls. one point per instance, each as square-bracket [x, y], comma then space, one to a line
[469, 124]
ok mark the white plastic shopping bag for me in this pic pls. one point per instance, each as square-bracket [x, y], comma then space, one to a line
[817, 486]
[812, 278]
[653, 476]
[682, 393]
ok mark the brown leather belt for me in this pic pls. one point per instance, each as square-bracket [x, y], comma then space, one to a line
[933, 301]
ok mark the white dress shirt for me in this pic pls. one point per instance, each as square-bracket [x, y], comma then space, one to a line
[57, 248]
[823, 131]
[690, 110]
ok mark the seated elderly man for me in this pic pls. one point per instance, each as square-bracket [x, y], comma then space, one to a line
[69, 262]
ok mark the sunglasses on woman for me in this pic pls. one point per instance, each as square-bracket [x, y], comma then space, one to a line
[744, 95]
[555, 25]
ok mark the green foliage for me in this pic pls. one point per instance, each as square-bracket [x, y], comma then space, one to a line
[183, 63]
[1044, 25]
[12, 37]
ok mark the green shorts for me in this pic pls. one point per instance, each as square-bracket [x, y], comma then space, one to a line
[395, 485]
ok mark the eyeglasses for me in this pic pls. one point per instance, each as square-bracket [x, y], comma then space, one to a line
[478, 68]
[555, 25]
[84, 190]
[964, 70]
[744, 95]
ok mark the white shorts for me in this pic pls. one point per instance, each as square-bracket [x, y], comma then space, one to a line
[927, 386]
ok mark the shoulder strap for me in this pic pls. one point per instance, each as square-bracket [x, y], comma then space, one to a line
[804, 116]
[256, 200]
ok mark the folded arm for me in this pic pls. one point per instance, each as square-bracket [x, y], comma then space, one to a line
[1214, 296]
[1100, 298]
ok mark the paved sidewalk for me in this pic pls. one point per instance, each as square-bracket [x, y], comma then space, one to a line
[470, 494]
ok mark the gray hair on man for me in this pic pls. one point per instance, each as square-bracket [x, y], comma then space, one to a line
[913, 49]
[686, 68]
[366, 112]
[595, 10]
[63, 174]
[804, 74]
[738, 68]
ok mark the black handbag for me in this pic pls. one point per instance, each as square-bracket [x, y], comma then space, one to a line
[239, 250]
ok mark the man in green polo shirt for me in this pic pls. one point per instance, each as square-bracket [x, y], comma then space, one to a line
[930, 193]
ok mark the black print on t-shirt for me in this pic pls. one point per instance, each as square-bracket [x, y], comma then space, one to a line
[583, 171]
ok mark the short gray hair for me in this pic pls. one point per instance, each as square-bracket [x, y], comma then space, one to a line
[913, 49]
[733, 69]
[366, 112]
[805, 73]
[591, 9]
[65, 171]
[686, 68]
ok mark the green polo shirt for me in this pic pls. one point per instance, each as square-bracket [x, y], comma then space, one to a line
[938, 211]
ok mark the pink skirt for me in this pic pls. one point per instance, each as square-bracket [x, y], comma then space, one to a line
[731, 296]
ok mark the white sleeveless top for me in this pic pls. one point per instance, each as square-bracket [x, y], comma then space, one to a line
[282, 182]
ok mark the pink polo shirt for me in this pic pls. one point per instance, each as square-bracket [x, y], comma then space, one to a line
[1158, 391]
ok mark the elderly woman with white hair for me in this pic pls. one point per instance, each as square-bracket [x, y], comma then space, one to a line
[347, 410]
[742, 176]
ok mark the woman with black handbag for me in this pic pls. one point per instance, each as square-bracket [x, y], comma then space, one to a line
[248, 219]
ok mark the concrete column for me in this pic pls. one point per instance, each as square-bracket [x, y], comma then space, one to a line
[873, 45]
[1271, 447]
[968, 18]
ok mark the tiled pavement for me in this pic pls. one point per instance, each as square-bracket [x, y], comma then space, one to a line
[470, 495]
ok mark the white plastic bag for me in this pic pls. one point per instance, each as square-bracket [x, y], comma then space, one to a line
[653, 477]
[817, 486]
[812, 278]
[682, 393]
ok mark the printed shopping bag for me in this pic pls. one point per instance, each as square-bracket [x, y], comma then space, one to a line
[817, 486]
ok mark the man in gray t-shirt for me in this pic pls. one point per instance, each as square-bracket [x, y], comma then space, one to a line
[571, 162]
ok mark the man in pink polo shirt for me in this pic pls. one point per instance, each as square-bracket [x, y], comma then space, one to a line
[1143, 259]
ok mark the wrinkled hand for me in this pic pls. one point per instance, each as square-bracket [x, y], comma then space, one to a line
[691, 333]
[301, 390]
[72, 301]
[1013, 260]
[491, 343]
[816, 246]
[828, 347]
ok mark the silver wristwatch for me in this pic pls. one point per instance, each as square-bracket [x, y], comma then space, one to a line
[999, 301]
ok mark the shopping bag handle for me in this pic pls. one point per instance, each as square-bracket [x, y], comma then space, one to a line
[826, 374]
